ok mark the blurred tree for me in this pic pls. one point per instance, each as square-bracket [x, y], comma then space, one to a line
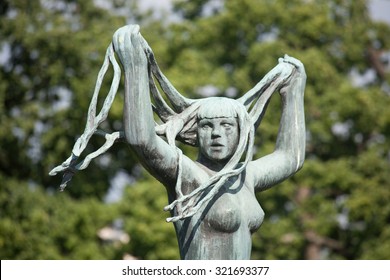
[36, 225]
[336, 207]
[141, 208]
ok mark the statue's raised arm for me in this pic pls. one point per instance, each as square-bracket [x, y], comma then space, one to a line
[139, 126]
[289, 153]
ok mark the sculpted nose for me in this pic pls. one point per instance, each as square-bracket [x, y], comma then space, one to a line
[216, 132]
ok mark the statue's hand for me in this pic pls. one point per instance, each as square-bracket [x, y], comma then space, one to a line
[300, 68]
[127, 42]
[298, 75]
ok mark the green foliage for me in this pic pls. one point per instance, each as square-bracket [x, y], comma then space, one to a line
[38, 225]
[337, 206]
[151, 237]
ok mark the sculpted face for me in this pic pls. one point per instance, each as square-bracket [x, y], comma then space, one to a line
[218, 138]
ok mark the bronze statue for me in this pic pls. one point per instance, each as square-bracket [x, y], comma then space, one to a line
[212, 198]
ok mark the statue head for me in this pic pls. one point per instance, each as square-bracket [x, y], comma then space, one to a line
[219, 122]
[221, 127]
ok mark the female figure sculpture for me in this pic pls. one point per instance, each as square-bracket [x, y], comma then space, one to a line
[212, 199]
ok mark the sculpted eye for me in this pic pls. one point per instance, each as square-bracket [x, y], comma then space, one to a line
[205, 125]
[227, 125]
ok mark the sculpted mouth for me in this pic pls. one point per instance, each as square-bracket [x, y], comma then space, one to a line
[217, 145]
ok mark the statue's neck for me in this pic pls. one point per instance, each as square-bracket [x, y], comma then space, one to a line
[213, 166]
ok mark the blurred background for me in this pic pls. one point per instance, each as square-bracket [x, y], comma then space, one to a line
[336, 207]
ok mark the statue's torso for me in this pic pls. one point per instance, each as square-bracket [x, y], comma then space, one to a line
[222, 228]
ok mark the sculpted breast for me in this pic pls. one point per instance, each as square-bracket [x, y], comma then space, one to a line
[224, 215]
[255, 216]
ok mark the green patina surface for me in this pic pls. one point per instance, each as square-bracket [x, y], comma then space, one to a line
[211, 198]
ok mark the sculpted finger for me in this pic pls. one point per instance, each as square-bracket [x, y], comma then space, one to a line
[295, 62]
[121, 37]
[118, 37]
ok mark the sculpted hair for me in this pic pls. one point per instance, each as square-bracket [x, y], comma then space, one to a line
[179, 122]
